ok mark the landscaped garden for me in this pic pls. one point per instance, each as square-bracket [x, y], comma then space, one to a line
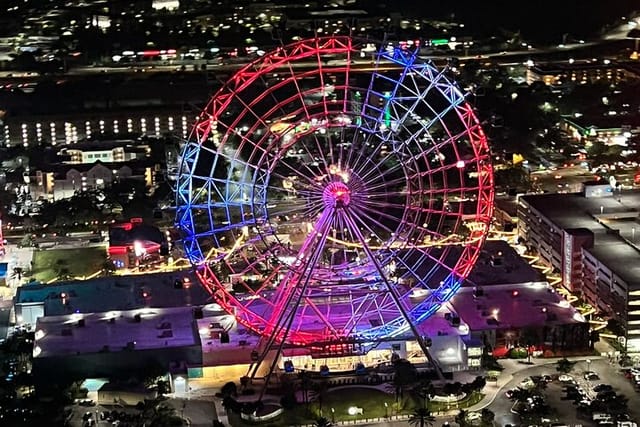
[54, 264]
[306, 400]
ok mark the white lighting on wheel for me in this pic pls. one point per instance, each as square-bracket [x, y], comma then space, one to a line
[460, 164]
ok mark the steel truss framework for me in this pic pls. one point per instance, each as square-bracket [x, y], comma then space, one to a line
[325, 198]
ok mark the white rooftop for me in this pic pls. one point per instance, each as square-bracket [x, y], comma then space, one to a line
[514, 306]
[113, 331]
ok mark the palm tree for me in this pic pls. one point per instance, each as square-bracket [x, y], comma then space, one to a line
[322, 422]
[305, 385]
[319, 389]
[564, 366]
[424, 390]
[421, 417]
[17, 272]
[461, 418]
[160, 415]
[487, 417]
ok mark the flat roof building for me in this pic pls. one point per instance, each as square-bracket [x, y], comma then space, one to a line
[103, 344]
[590, 242]
[156, 290]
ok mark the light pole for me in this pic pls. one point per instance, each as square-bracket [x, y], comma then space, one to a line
[333, 415]
[588, 365]
[386, 410]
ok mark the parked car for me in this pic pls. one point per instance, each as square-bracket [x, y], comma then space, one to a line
[591, 376]
[565, 378]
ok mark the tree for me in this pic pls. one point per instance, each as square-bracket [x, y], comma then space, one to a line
[63, 273]
[229, 389]
[405, 374]
[424, 390]
[320, 389]
[421, 417]
[17, 273]
[153, 413]
[461, 418]
[564, 365]
[108, 268]
[322, 422]
[305, 385]
[487, 417]
[479, 383]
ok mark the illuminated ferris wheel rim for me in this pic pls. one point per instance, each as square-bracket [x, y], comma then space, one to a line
[334, 115]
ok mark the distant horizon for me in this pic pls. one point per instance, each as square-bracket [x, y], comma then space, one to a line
[543, 21]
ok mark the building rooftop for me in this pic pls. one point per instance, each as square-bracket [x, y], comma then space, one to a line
[621, 258]
[115, 293]
[498, 264]
[612, 220]
[514, 306]
[82, 333]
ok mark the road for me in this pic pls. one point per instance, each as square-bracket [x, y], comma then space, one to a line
[569, 179]
[361, 64]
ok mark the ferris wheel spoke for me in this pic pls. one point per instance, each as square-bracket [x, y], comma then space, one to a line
[320, 74]
[425, 128]
[388, 97]
[308, 179]
[376, 173]
[383, 185]
[370, 224]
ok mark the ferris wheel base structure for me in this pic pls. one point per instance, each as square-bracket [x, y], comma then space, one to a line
[448, 344]
[329, 206]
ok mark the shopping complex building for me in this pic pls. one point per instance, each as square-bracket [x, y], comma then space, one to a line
[93, 327]
[589, 238]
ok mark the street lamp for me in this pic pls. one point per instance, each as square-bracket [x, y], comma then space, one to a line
[588, 365]
[386, 410]
[333, 415]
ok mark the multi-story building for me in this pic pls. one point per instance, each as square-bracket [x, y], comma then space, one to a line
[59, 182]
[112, 151]
[589, 239]
[74, 128]
[580, 72]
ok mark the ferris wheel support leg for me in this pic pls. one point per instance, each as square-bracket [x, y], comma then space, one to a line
[288, 293]
[285, 327]
[392, 291]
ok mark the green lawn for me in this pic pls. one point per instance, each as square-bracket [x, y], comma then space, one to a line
[47, 264]
[371, 400]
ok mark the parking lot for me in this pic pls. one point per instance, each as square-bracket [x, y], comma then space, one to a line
[571, 408]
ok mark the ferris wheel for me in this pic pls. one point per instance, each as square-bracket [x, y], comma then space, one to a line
[335, 190]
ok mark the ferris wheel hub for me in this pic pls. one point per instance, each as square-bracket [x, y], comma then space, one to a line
[336, 194]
